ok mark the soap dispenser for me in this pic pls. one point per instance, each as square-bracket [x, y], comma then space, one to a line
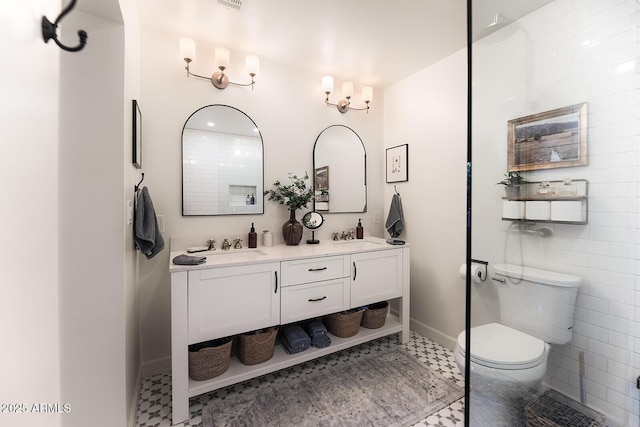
[253, 237]
[359, 229]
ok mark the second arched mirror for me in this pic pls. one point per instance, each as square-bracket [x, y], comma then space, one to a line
[340, 165]
[222, 163]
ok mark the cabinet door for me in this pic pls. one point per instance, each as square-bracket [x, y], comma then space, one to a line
[375, 276]
[230, 300]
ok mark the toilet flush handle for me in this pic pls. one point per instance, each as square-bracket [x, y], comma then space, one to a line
[499, 279]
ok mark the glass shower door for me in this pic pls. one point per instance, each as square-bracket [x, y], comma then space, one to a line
[555, 96]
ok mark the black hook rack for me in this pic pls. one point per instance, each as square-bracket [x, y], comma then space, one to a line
[137, 187]
[50, 30]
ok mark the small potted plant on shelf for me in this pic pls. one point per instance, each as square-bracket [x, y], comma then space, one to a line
[512, 182]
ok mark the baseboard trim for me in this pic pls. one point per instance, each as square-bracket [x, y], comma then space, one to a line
[433, 334]
[133, 413]
[156, 366]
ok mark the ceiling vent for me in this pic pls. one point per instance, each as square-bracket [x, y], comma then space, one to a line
[234, 4]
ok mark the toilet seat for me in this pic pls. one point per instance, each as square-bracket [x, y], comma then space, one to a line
[498, 346]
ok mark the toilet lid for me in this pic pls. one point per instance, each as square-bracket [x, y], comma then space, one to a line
[498, 346]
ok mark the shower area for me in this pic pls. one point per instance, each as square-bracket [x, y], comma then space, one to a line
[555, 95]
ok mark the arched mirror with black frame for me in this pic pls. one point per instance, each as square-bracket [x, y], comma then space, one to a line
[222, 163]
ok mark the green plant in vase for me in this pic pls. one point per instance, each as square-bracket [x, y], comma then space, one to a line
[295, 195]
[512, 182]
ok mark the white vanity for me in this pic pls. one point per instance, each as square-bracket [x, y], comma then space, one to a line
[240, 290]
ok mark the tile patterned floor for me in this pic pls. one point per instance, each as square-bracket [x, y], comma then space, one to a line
[154, 403]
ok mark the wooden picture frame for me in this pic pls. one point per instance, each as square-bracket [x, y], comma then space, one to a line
[397, 161]
[547, 140]
[322, 178]
[136, 125]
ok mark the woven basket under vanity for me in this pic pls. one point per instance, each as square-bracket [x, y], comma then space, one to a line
[344, 324]
[209, 359]
[256, 347]
[375, 315]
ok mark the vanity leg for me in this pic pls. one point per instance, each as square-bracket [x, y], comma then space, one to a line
[405, 301]
[179, 348]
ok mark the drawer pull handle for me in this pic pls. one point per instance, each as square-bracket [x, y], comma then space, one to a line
[276, 290]
[318, 269]
[355, 270]
[316, 299]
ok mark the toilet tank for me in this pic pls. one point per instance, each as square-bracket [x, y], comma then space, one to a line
[537, 302]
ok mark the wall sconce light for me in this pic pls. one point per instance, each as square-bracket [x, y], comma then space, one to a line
[344, 105]
[221, 58]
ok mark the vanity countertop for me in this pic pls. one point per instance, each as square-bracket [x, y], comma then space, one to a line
[277, 253]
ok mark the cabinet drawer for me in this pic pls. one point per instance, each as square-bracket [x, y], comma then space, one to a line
[313, 299]
[313, 270]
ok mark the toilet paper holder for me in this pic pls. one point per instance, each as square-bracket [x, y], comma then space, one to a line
[485, 264]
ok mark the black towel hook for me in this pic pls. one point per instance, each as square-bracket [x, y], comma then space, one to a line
[396, 190]
[137, 187]
[50, 30]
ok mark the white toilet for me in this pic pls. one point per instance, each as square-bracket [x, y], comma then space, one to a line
[536, 310]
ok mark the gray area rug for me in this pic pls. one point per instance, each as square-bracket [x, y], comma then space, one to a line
[384, 389]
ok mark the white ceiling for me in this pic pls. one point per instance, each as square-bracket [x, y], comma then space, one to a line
[371, 42]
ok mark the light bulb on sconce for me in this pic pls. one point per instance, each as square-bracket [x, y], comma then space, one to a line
[344, 104]
[221, 59]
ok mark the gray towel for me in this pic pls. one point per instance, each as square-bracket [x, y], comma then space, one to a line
[147, 235]
[395, 220]
[189, 260]
[295, 339]
[316, 329]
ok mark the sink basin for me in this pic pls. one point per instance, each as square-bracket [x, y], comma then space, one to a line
[235, 252]
[356, 245]
[231, 255]
[354, 241]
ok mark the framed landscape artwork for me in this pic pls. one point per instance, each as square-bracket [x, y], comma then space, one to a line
[552, 139]
[322, 178]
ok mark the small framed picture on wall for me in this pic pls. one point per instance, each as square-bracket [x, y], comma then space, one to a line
[137, 135]
[398, 163]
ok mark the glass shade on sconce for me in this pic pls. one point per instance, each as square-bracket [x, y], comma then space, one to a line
[327, 84]
[344, 104]
[367, 94]
[347, 89]
[252, 63]
[221, 60]
[187, 49]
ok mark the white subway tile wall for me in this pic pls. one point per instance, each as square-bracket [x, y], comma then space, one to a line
[569, 52]
[211, 167]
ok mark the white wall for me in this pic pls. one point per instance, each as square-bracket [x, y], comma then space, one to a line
[29, 360]
[131, 57]
[99, 361]
[567, 53]
[91, 242]
[428, 112]
[287, 104]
